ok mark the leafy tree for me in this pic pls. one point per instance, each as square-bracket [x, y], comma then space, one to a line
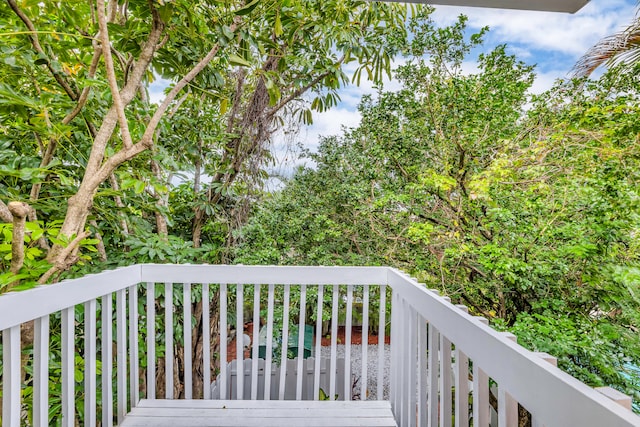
[529, 217]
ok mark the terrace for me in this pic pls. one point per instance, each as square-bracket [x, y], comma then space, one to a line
[133, 353]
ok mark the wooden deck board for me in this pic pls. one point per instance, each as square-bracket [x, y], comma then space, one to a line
[260, 413]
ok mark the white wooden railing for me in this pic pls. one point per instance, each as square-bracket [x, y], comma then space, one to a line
[122, 330]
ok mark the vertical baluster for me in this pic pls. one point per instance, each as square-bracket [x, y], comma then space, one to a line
[394, 341]
[121, 353]
[318, 347]
[422, 372]
[107, 359]
[404, 364]
[480, 397]
[507, 405]
[413, 375]
[240, 342]
[461, 384]
[301, 322]
[168, 340]
[68, 367]
[11, 377]
[269, 343]
[381, 340]
[461, 389]
[134, 371]
[223, 341]
[255, 342]
[445, 382]
[481, 414]
[347, 344]
[334, 343]
[432, 361]
[151, 340]
[186, 339]
[284, 347]
[206, 343]
[365, 343]
[90, 364]
[41, 372]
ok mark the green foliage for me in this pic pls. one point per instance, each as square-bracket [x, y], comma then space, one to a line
[529, 217]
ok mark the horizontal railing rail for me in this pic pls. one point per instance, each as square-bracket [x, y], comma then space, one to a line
[87, 350]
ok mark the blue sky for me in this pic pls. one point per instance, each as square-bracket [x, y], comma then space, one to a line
[552, 41]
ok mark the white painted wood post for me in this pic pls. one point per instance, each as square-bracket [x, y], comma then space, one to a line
[90, 363]
[365, 343]
[446, 408]
[413, 376]
[422, 372]
[11, 377]
[186, 339]
[535, 421]
[334, 342]
[269, 343]
[284, 346]
[255, 342]
[206, 342]
[223, 342]
[481, 414]
[382, 309]
[394, 396]
[347, 344]
[41, 372]
[107, 359]
[240, 341]
[461, 385]
[68, 367]
[433, 374]
[168, 340]
[134, 363]
[618, 397]
[121, 353]
[318, 347]
[507, 405]
[151, 340]
[301, 330]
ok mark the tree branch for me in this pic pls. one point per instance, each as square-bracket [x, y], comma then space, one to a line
[63, 262]
[19, 210]
[296, 93]
[5, 213]
[35, 42]
[111, 75]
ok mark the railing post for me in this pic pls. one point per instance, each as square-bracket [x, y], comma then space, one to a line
[68, 367]
[107, 359]
[507, 406]
[618, 397]
[481, 412]
[41, 372]
[90, 364]
[11, 377]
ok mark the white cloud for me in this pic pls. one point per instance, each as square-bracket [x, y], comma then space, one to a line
[564, 33]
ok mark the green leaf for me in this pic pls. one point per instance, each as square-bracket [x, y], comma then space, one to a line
[246, 9]
[238, 61]
[278, 30]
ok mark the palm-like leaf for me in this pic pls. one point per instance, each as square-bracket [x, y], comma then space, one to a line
[622, 48]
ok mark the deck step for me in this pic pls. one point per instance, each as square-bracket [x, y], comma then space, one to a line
[260, 413]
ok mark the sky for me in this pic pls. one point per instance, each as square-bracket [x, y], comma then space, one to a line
[552, 41]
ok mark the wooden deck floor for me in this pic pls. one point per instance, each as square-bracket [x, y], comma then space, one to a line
[260, 413]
